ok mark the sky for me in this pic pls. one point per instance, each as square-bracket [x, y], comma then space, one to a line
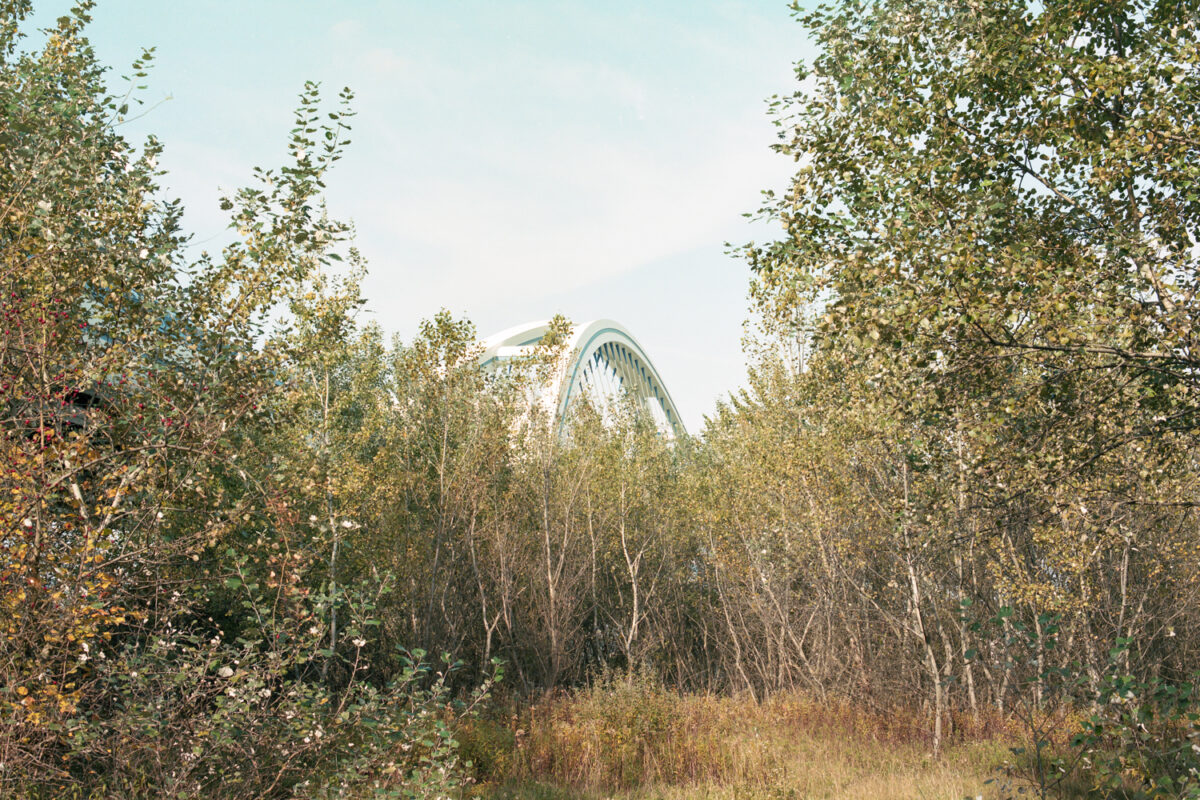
[509, 160]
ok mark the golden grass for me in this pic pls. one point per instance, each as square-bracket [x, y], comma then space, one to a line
[634, 741]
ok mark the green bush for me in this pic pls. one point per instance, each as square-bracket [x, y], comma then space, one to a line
[1144, 737]
[185, 713]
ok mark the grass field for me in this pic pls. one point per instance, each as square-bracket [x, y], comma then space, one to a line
[633, 741]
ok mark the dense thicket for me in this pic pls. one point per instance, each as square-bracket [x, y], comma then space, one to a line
[996, 208]
[962, 475]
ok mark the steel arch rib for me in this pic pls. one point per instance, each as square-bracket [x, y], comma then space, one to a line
[600, 342]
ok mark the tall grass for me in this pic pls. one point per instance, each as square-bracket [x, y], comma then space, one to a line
[632, 738]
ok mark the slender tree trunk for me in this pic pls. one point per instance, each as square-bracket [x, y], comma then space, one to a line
[920, 628]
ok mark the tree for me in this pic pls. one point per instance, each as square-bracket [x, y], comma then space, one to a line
[150, 590]
[991, 241]
[996, 210]
[993, 191]
[1017, 178]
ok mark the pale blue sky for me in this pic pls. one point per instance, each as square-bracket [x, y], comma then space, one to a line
[510, 160]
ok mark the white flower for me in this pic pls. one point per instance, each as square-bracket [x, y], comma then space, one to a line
[143, 253]
[347, 523]
[360, 642]
[225, 672]
[312, 517]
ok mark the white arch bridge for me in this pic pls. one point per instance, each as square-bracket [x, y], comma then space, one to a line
[601, 363]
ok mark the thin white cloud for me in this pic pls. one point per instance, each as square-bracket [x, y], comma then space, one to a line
[384, 62]
[346, 30]
[579, 216]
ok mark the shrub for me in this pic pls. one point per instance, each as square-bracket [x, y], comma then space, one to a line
[185, 711]
[1144, 737]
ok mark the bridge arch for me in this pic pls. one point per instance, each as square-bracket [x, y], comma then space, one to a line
[602, 362]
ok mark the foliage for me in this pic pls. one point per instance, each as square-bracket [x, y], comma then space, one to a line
[194, 712]
[990, 240]
[1047, 696]
[233, 517]
[997, 178]
[164, 609]
[1143, 737]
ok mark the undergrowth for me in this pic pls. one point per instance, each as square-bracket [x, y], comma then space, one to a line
[632, 738]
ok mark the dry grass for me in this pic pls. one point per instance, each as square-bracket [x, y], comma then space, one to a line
[631, 740]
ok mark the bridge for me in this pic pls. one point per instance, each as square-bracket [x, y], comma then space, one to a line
[601, 364]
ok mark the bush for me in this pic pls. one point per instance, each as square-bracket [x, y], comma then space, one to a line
[1144, 737]
[180, 711]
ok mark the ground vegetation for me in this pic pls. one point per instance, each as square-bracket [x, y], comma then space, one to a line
[952, 512]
